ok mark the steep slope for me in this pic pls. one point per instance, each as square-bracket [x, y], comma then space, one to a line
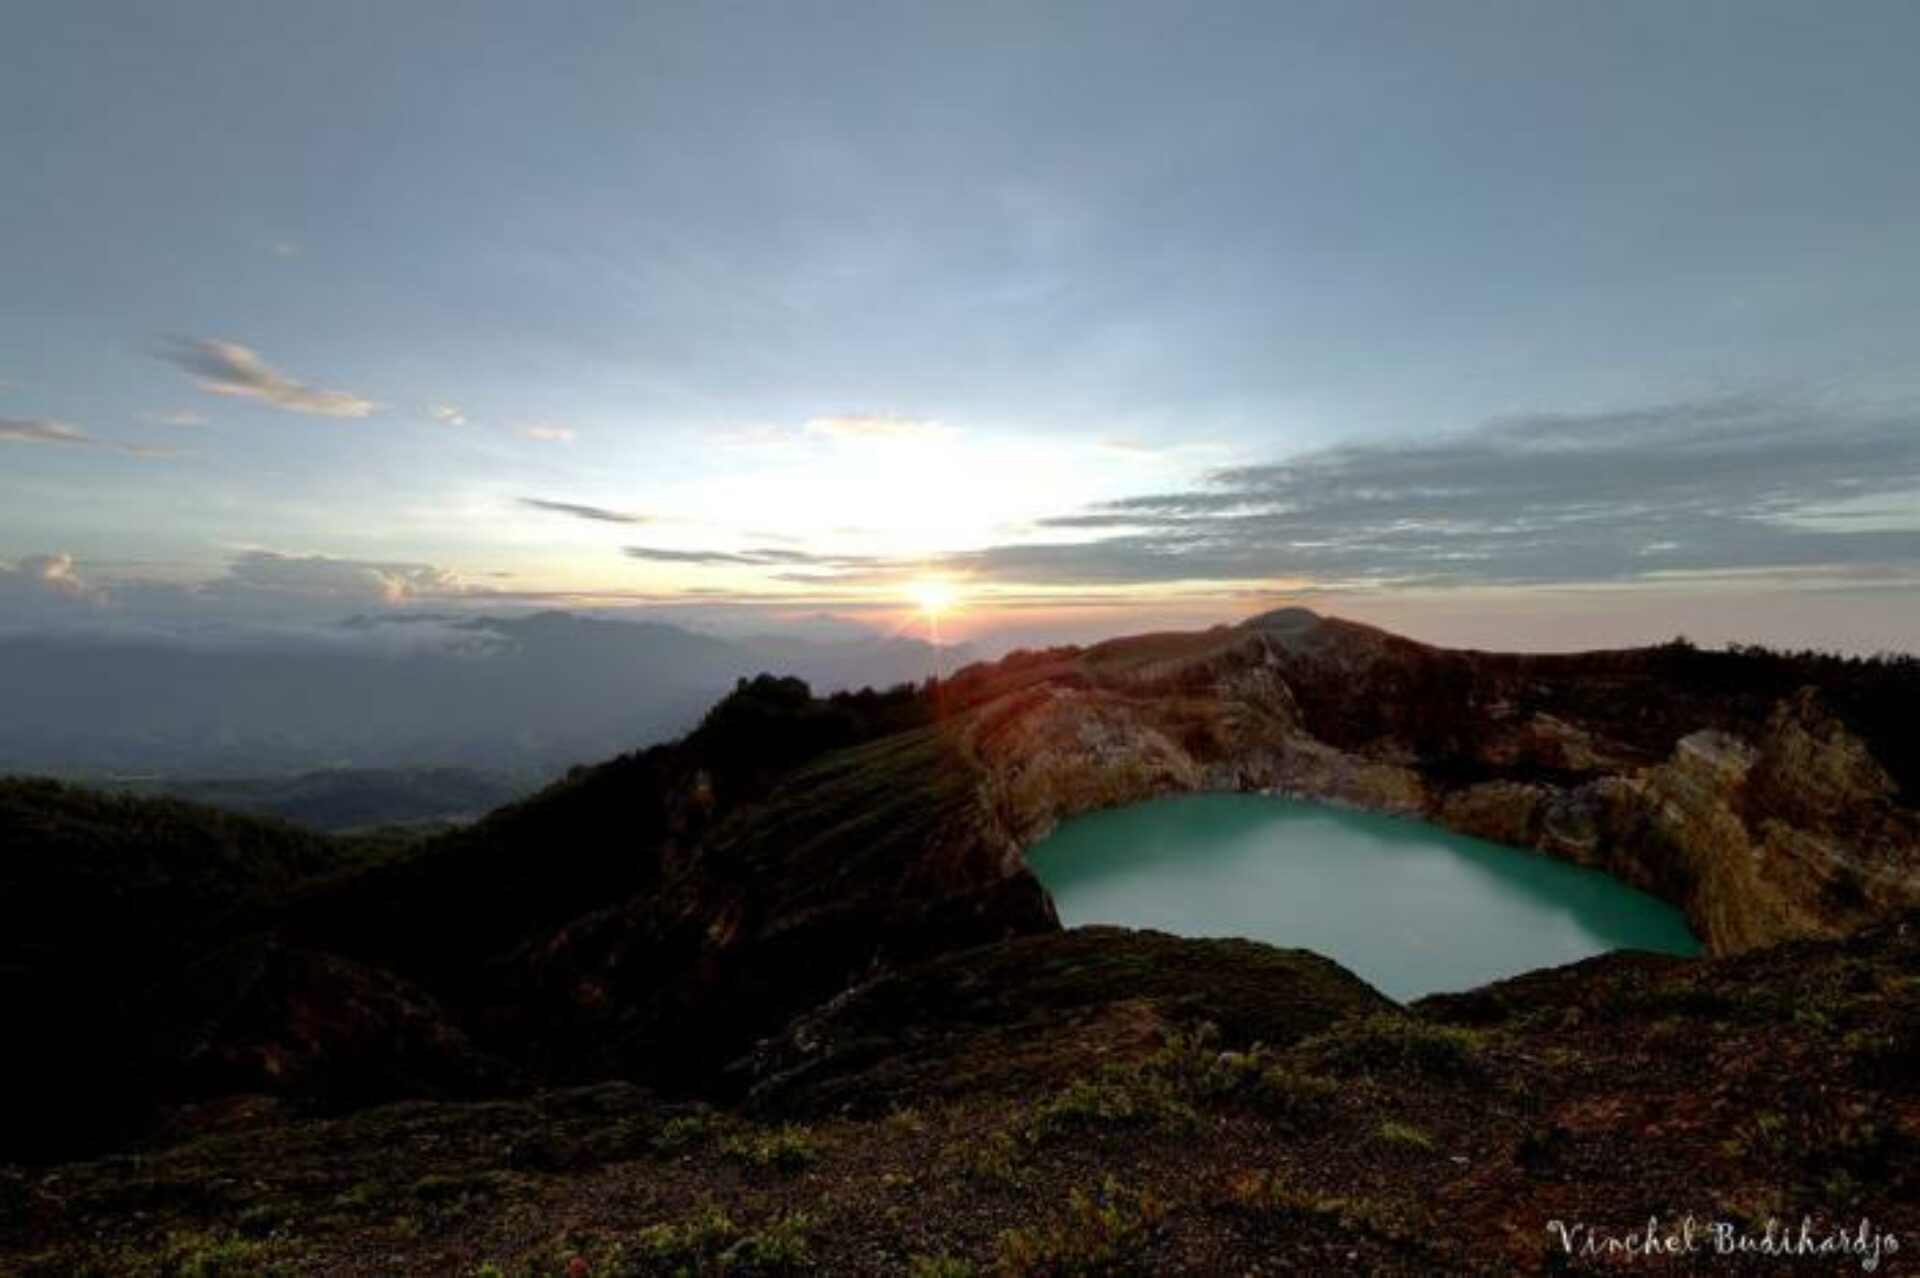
[1090, 1126]
[674, 916]
[1730, 784]
[113, 900]
[99, 895]
[1719, 781]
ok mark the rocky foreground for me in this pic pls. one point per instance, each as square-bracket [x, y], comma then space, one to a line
[782, 998]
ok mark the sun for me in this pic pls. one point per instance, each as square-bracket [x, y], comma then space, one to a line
[934, 597]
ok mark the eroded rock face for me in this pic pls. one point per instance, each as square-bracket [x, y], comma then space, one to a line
[1760, 813]
[1759, 826]
[1761, 816]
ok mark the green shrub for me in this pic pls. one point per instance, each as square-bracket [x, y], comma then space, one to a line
[693, 1246]
[1405, 1135]
[196, 1254]
[1103, 1233]
[941, 1266]
[1293, 1094]
[1396, 1042]
[712, 1245]
[677, 1135]
[995, 1161]
[788, 1148]
[1116, 1098]
[1268, 1193]
[1192, 1068]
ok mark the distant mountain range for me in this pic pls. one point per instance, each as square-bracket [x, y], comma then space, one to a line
[522, 695]
[347, 800]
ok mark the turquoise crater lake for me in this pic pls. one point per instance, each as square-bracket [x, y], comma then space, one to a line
[1411, 908]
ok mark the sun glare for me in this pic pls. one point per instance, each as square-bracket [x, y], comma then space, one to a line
[934, 597]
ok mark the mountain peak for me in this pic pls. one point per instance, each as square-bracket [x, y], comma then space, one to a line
[1284, 620]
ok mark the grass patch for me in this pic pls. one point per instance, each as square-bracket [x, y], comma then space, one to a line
[1119, 1098]
[786, 1148]
[1196, 1071]
[1404, 1136]
[1392, 1042]
[685, 1133]
[1268, 1193]
[711, 1244]
[995, 1162]
[1103, 1233]
[198, 1254]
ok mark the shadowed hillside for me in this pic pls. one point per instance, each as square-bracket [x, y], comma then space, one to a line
[347, 799]
[781, 996]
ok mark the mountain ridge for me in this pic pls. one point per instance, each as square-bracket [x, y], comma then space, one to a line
[812, 899]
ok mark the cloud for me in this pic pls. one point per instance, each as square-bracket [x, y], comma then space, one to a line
[52, 574]
[759, 557]
[227, 368]
[1709, 487]
[323, 577]
[183, 419]
[447, 414]
[663, 555]
[285, 250]
[45, 589]
[548, 430]
[257, 587]
[597, 514]
[1135, 450]
[876, 426]
[32, 430]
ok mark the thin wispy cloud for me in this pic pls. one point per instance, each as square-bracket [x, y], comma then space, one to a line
[185, 419]
[228, 368]
[447, 414]
[580, 510]
[758, 557]
[36, 430]
[549, 431]
[1705, 487]
[876, 426]
[760, 436]
[1136, 450]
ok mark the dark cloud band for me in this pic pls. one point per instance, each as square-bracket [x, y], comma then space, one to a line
[1717, 486]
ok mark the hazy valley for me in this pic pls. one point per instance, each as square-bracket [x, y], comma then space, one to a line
[526, 696]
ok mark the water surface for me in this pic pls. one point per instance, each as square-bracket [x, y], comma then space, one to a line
[1411, 908]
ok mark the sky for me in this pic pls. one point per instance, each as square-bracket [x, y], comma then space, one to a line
[1507, 324]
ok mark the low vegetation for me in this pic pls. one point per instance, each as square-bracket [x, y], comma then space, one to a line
[1107, 1231]
[1393, 1042]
